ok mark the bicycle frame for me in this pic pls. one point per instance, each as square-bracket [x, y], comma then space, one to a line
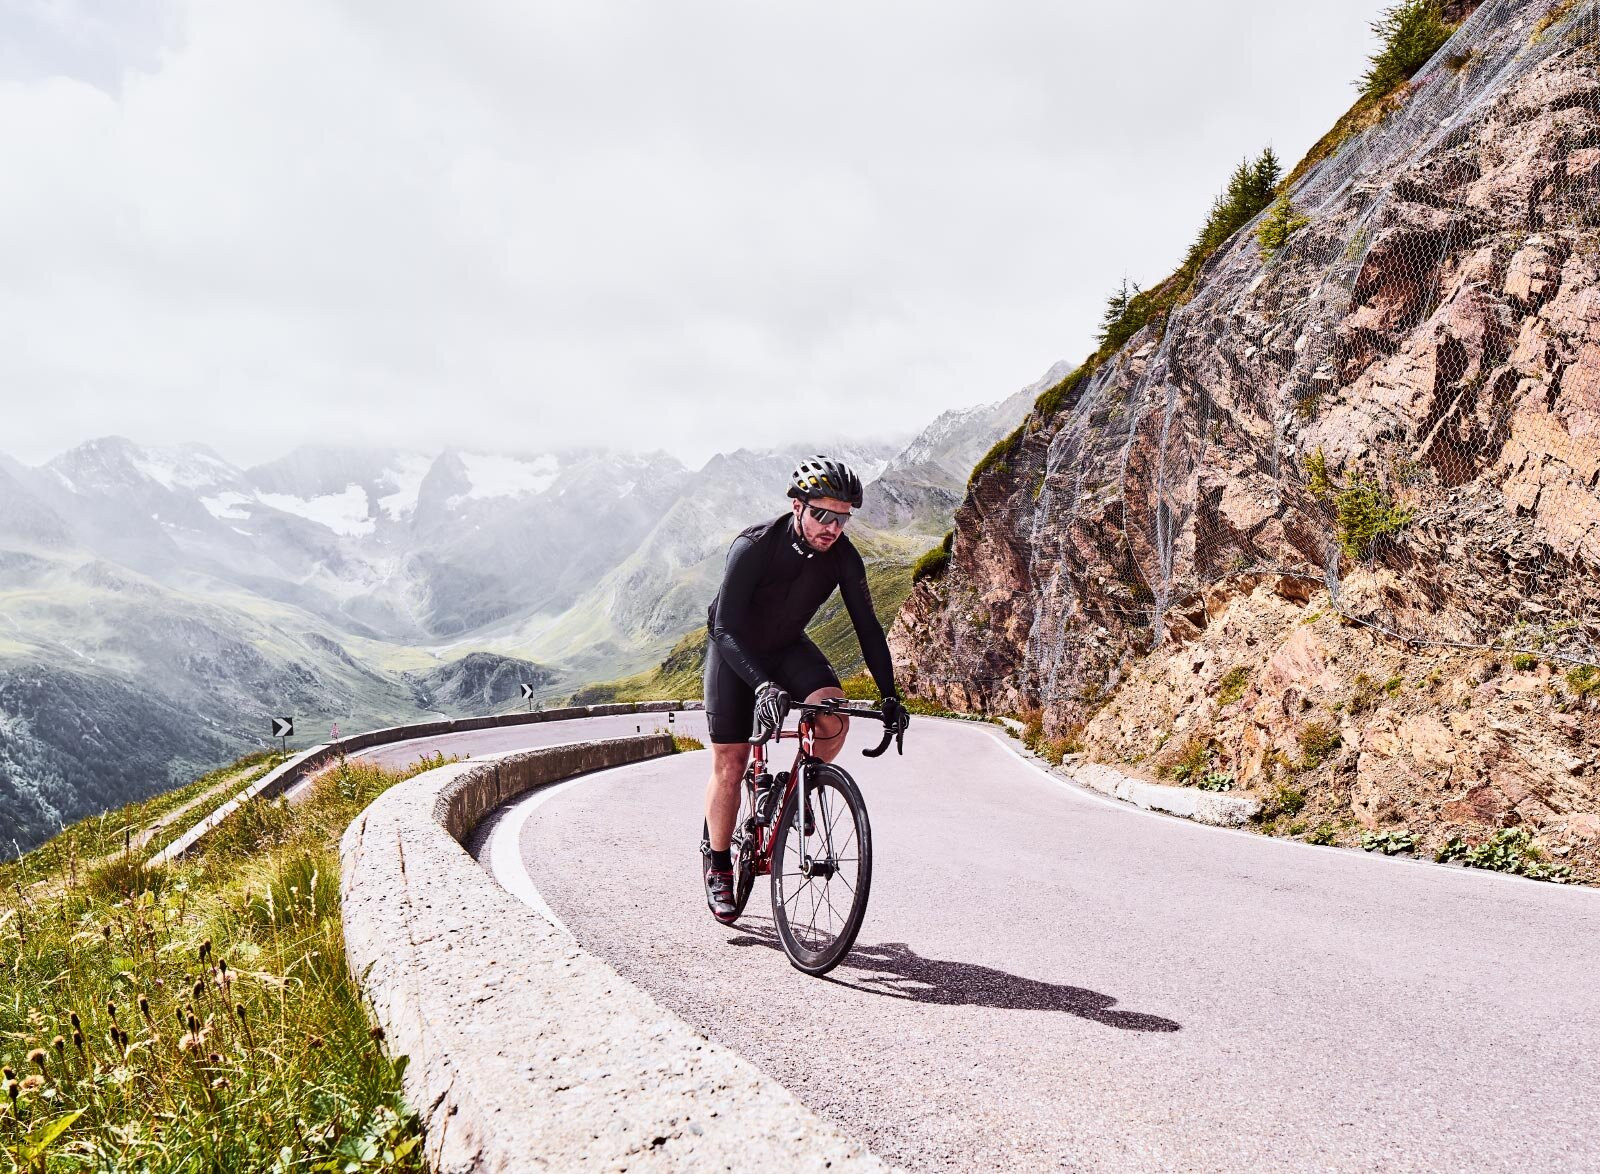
[799, 774]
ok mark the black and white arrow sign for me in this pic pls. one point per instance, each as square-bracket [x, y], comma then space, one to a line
[527, 691]
[283, 727]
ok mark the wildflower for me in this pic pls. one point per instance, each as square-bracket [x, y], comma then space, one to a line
[111, 1010]
[8, 1073]
[238, 1009]
[72, 1017]
[32, 1083]
[144, 1008]
[194, 1023]
[199, 990]
[221, 1082]
[60, 1045]
[13, 1090]
[375, 1032]
[77, 1040]
[37, 1057]
[214, 1058]
[105, 931]
[189, 1042]
[315, 1041]
[205, 949]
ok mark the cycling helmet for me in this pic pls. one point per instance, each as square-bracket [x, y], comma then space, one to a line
[825, 477]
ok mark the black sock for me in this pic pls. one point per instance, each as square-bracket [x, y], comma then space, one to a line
[722, 861]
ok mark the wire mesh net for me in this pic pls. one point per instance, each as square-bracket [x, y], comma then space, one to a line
[1400, 402]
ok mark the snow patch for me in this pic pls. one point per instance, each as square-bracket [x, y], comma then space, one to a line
[177, 468]
[346, 513]
[407, 479]
[497, 476]
[225, 506]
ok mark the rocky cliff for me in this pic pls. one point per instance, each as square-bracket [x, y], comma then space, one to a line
[1326, 528]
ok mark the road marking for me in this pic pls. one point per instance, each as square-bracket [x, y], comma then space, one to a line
[502, 850]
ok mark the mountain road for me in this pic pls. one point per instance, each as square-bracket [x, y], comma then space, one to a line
[1049, 978]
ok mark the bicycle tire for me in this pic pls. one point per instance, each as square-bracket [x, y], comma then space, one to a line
[840, 830]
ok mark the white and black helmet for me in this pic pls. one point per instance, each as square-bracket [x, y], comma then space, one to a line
[825, 477]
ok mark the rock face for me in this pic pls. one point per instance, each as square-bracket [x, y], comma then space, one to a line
[1393, 421]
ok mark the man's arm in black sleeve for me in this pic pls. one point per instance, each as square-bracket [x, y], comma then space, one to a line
[869, 633]
[732, 613]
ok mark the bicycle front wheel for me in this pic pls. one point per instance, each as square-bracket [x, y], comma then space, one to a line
[821, 870]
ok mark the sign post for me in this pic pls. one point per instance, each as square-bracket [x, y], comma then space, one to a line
[283, 729]
[527, 695]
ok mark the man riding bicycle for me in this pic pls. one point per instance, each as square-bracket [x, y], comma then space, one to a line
[777, 576]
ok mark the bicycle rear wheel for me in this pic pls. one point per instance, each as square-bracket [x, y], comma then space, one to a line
[821, 870]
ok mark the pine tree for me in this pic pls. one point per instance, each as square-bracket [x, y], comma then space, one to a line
[1279, 224]
[1412, 31]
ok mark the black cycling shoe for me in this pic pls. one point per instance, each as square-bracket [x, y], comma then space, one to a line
[719, 896]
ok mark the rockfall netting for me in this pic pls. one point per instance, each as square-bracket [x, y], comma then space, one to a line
[1400, 402]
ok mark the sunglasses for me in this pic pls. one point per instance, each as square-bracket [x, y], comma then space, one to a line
[827, 517]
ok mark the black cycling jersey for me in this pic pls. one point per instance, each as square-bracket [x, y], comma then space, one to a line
[773, 585]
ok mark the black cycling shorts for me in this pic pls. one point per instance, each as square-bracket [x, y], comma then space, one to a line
[800, 669]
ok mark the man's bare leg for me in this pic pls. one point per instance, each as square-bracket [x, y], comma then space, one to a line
[722, 792]
[827, 748]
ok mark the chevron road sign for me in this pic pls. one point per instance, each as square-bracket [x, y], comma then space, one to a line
[527, 691]
[283, 727]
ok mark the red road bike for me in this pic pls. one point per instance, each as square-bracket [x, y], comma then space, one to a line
[807, 828]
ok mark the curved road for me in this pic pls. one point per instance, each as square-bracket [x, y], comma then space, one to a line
[1050, 978]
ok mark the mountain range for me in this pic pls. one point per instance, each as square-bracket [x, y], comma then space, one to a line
[159, 604]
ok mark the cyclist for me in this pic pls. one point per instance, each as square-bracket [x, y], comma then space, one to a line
[778, 574]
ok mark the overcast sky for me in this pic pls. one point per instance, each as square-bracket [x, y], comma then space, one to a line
[687, 225]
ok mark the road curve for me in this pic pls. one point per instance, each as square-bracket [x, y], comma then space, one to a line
[1050, 978]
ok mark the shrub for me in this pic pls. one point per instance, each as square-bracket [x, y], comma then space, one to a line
[683, 744]
[861, 687]
[1584, 680]
[1318, 741]
[1280, 223]
[1411, 31]
[1365, 513]
[1216, 780]
[1508, 850]
[1323, 833]
[1317, 481]
[1233, 685]
[1523, 661]
[1389, 843]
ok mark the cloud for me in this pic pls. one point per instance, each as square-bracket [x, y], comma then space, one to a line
[689, 226]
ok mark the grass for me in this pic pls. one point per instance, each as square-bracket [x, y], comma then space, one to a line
[1524, 661]
[199, 1016]
[1191, 765]
[683, 744]
[1234, 684]
[936, 562]
[1318, 742]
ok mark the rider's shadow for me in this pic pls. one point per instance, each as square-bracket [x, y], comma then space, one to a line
[897, 971]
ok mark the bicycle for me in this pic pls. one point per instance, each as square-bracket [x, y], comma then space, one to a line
[807, 828]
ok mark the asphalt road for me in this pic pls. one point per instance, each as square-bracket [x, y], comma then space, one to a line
[1049, 978]
[477, 743]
